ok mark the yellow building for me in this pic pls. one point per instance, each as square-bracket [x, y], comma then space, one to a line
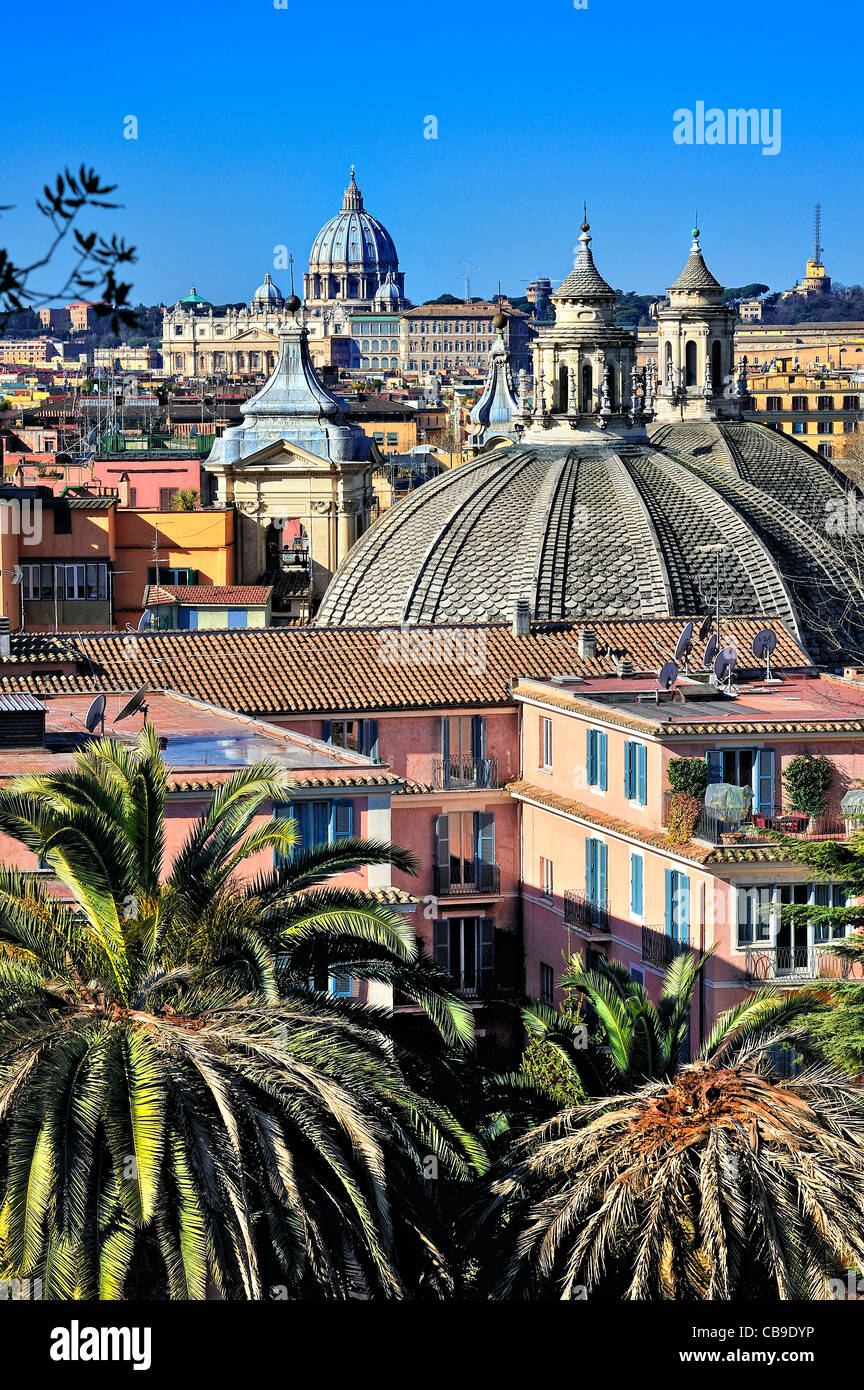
[823, 410]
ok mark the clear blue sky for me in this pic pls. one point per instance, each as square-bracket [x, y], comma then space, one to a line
[250, 116]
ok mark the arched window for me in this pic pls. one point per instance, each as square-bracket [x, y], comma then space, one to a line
[691, 377]
[587, 387]
[374, 361]
[394, 362]
[394, 344]
[178, 361]
[717, 366]
[562, 387]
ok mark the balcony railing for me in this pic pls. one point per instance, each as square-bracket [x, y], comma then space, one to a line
[660, 949]
[793, 963]
[713, 829]
[476, 877]
[464, 774]
[584, 916]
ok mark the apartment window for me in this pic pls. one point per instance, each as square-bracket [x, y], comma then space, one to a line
[799, 402]
[851, 402]
[546, 876]
[773, 403]
[637, 884]
[392, 437]
[465, 948]
[168, 574]
[595, 759]
[547, 984]
[166, 495]
[637, 975]
[62, 519]
[545, 744]
[677, 906]
[825, 427]
[799, 427]
[318, 822]
[635, 772]
[465, 852]
[825, 451]
[342, 985]
[824, 402]
[31, 582]
[361, 735]
[745, 767]
[850, 426]
[463, 752]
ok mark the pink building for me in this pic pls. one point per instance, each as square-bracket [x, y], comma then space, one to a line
[528, 774]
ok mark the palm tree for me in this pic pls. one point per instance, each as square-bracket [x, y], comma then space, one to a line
[172, 1081]
[720, 1183]
[611, 1038]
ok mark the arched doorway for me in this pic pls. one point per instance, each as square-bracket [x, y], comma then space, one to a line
[587, 388]
[691, 377]
[562, 387]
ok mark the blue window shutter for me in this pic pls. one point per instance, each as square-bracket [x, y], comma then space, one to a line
[629, 771]
[327, 731]
[478, 736]
[341, 820]
[670, 903]
[642, 775]
[636, 884]
[714, 759]
[341, 985]
[683, 908]
[589, 869]
[320, 812]
[236, 617]
[591, 757]
[601, 760]
[484, 831]
[601, 874]
[486, 954]
[441, 944]
[765, 780]
[368, 743]
[442, 853]
[445, 737]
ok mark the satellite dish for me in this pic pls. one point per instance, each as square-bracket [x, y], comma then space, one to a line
[95, 715]
[682, 646]
[705, 627]
[145, 620]
[725, 663]
[134, 705]
[764, 643]
[710, 650]
[668, 676]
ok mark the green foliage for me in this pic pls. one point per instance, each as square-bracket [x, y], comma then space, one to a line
[688, 775]
[180, 1090]
[752, 291]
[807, 779]
[681, 817]
[186, 499]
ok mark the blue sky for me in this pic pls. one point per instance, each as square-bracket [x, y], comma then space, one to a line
[249, 117]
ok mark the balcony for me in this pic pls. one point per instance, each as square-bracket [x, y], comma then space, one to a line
[794, 964]
[465, 774]
[479, 879]
[758, 826]
[581, 915]
[659, 949]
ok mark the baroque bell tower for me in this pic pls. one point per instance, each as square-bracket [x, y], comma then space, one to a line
[695, 356]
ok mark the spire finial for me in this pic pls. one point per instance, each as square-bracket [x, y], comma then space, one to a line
[696, 233]
[585, 224]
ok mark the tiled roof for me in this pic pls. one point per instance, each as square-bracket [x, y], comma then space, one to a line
[14, 703]
[235, 595]
[311, 670]
[695, 275]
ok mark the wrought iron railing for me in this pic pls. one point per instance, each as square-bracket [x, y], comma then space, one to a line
[584, 916]
[463, 774]
[659, 948]
[712, 828]
[791, 963]
[474, 877]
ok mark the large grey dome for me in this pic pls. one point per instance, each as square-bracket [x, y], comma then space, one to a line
[355, 238]
[610, 528]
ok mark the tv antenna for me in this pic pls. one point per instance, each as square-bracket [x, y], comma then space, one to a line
[763, 645]
[817, 234]
[466, 276]
[133, 706]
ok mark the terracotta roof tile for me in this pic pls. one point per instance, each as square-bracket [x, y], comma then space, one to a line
[657, 838]
[233, 594]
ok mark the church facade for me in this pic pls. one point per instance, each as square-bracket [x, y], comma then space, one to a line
[353, 273]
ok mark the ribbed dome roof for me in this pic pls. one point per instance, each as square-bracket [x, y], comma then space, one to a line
[268, 294]
[584, 280]
[607, 529]
[696, 275]
[353, 237]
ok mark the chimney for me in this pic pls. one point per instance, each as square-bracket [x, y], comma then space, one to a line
[123, 489]
[5, 636]
[623, 666]
[521, 618]
[587, 647]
